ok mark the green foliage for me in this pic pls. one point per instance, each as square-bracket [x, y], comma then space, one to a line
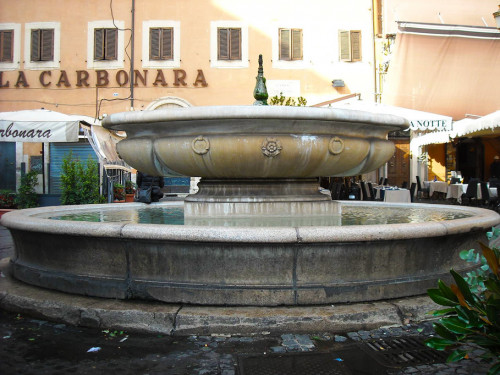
[26, 196]
[79, 182]
[118, 191]
[7, 199]
[130, 187]
[472, 313]
[281, 100]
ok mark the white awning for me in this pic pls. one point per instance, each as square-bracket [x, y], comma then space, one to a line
[419, 120]
[483, 126]
[39, 125]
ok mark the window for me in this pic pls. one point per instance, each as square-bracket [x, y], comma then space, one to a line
[229, 43]
[350, 45]
[290, 44]
[6, 45]
[105, 44]
[42, 45]
[161, 43]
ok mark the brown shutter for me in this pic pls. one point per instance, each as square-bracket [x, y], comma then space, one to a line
[154, 44]
[6, 45]
[35, 45]
[296, 44]
[223, 44]
[235, 44]
[344, 45]
[284, 44]
[167, 44]
[99, 44]
[47, 45]
[356, 45]
[111, 48]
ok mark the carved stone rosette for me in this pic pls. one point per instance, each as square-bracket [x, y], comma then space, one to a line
[271, 147]
[200, 145]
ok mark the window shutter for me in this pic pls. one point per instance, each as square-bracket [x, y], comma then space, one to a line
[35, 45]
[235, 53]
[223, 53]
[167, 36]
[296, 44]
[284, 44]
[110, 48]
[344, 45]
[154, 44]
[6, 43]
[356, 45]
[47, 44]
[99, 44]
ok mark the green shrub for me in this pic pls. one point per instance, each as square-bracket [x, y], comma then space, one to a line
[80, 182]
[472, 313]
[282, 100]
[26, 196]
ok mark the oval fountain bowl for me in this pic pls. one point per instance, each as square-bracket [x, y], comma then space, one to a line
[255, 141]
[241, 265]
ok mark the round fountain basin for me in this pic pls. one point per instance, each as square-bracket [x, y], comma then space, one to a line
[263, 262]
[231, 142]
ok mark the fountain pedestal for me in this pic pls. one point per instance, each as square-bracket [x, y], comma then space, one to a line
[258, 197]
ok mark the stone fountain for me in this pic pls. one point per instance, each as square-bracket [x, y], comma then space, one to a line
[256, 162]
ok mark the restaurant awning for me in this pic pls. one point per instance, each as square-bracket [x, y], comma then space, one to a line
[447, 69]
[39, 125]
[488, 125]
[418, 120]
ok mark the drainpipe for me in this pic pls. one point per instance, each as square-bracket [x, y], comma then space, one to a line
[132, 57]
[374, 15]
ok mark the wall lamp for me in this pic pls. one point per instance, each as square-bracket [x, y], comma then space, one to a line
[338, 83]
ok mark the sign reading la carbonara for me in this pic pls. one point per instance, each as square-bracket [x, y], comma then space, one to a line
[31, 131]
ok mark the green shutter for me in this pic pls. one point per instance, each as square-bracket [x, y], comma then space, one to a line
[235, 44]
[111, 44]
[47, 45]
[99, 44]
[223, 44]
[296, 44]
[6, 45]
[284, 44]
[167, 36]
[35, 45]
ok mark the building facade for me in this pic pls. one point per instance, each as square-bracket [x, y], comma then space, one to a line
[98, 57]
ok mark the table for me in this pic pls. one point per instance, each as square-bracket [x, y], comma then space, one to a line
[436, 186]
[394, 195]
[455, 191]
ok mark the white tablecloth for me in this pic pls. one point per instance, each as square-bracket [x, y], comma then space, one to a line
[439, 186]
[400, 195]
[456, 190]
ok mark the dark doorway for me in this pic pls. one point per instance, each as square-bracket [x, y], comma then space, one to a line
[8, 165]
[470, 158]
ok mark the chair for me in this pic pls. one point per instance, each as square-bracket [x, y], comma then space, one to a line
[404, 185]
[470, 194]
[494, 182]
[364, 192]
[335, 190]
[413, 187]
[420, 189]
[454, 180]
[386, 181]
[485, 194]
[381, 181]
[372, 192]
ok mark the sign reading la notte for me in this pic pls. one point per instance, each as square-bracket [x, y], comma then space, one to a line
[103, 78]
[430, 125]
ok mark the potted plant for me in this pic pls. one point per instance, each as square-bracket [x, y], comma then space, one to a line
[118, 193]
[27, 196]
[130, 188]
[7, 201]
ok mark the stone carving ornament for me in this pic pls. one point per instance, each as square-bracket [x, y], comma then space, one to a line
[200, 145]
[271, 147]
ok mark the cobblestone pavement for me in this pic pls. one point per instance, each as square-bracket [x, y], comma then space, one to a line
[31, 346]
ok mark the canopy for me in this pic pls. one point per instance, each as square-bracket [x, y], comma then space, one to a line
[40, 125]
[483, 126]
[419, 120]
[446, 69]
